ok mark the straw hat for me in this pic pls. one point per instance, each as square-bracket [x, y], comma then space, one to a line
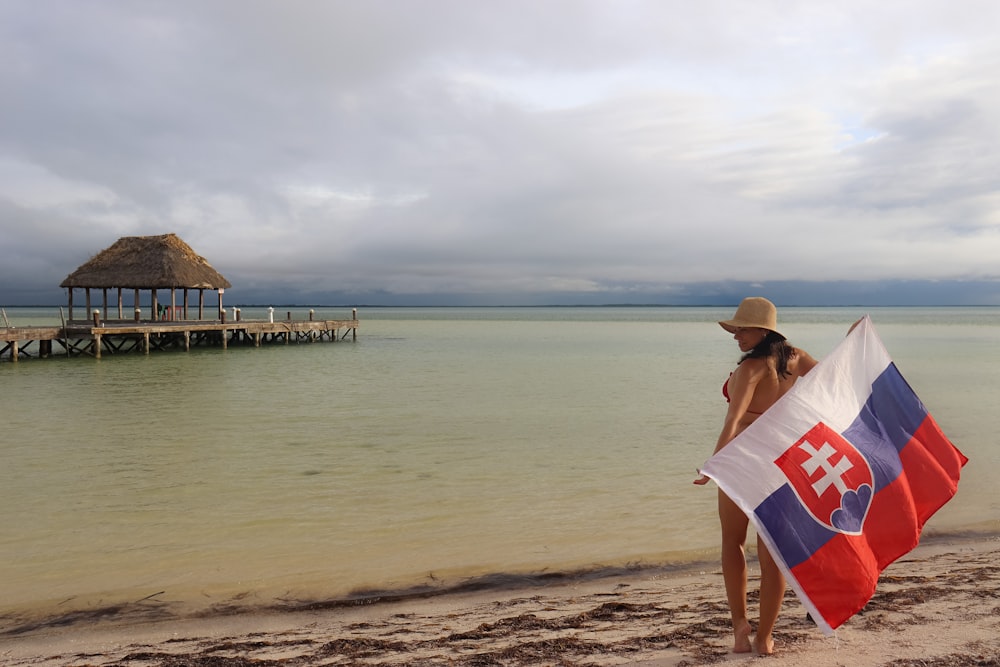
[754, 312]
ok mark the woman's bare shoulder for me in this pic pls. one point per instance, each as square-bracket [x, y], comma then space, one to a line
[801, 362]
[752, 369]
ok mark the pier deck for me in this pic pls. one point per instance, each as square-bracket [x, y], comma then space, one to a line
[80, 338]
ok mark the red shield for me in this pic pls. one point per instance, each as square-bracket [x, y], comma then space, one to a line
[831, 478]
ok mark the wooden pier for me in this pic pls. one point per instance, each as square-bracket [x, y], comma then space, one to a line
[97, 337]
[140, 264]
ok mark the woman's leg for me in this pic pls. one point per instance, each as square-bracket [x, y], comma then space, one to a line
[734, 569]
[772, 593]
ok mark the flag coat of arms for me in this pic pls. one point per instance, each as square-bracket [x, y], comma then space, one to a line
[840, 475]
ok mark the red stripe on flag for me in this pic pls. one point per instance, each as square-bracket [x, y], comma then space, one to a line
[892, 528]
[839, 579]
[933, 465]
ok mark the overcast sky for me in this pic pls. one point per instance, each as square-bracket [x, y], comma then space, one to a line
[508, 151]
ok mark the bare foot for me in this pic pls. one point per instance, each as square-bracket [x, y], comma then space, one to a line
[742, 632]
[763, 645]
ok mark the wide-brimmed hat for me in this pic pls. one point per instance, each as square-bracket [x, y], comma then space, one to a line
[754, 312]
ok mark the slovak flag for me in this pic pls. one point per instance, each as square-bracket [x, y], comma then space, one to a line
[840, 475]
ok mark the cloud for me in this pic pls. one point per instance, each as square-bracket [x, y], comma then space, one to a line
[512, 150]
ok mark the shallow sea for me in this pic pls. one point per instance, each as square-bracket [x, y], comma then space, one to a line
[444, 445]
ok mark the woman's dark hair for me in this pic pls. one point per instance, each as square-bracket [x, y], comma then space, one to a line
[773, 345]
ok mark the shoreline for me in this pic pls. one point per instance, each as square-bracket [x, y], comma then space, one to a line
[938, 605]
[148, 605]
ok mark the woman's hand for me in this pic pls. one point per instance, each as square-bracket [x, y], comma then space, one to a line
[701, 481]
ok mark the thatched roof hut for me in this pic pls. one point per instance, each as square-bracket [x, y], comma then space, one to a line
[146, 263]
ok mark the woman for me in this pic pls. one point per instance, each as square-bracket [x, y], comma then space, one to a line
[768, 369]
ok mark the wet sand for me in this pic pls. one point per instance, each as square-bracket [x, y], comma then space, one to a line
[940, 605]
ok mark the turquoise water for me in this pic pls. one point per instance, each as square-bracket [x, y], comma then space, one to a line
[444, 444]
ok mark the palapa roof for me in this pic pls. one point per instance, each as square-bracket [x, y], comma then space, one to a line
[147, 262]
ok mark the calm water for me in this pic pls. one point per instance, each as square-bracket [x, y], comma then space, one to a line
[443, 444]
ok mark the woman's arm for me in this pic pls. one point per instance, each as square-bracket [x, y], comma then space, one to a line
[742, 383]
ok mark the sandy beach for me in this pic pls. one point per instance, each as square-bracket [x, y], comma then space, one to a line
[939, 605]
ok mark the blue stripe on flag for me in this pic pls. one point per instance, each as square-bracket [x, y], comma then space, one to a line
[791, 527]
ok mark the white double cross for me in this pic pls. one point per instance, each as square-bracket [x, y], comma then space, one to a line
[833, 473]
